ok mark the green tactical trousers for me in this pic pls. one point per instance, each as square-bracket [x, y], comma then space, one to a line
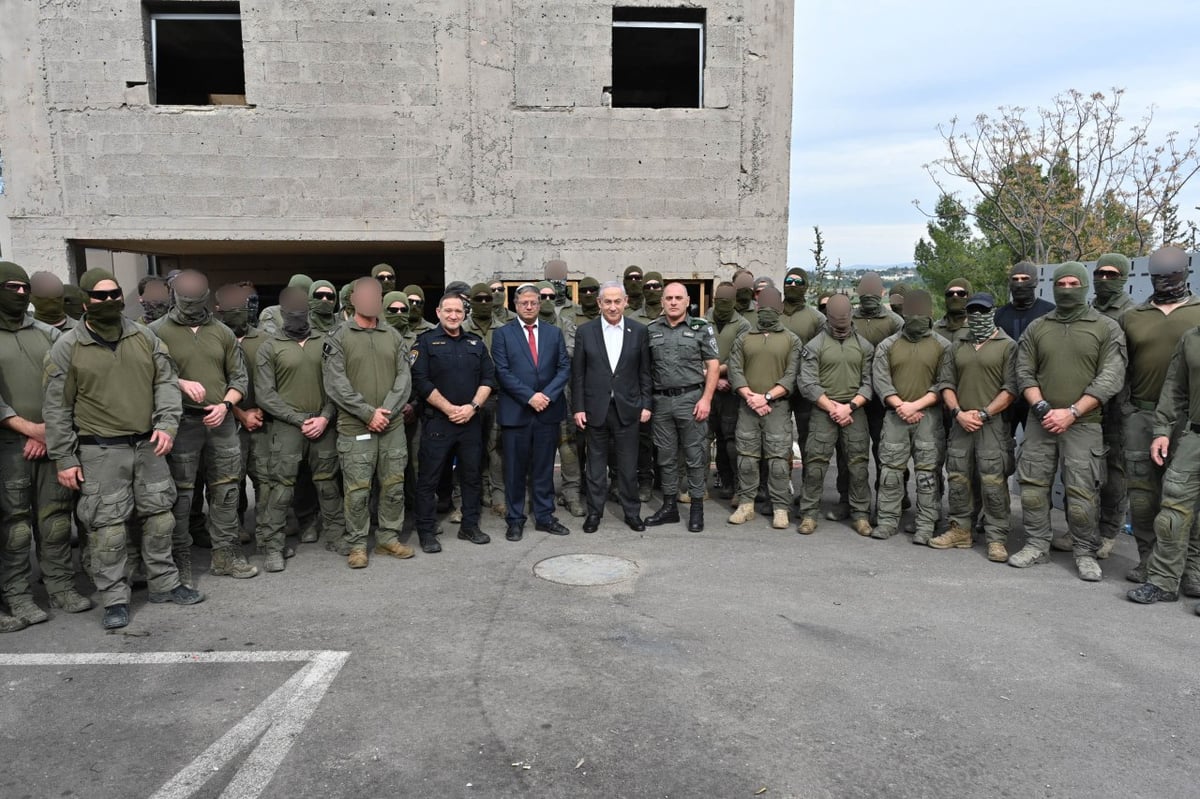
[984, 459]
[367, 456]
[824, 436]
[923, 443]
[28, 488]
[1176, 552]
[286, 449]
[1114, 500]
[766, 439]
[1143, 479]
[221, 474]
[673, 427]
[1080, 451]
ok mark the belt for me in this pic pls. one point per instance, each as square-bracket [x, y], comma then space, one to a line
[194, 412]
[675, 392]
[1143, 406]
[115, 441]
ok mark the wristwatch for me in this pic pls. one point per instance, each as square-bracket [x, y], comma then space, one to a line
[474, 405]
[853, 405]
[1074, 411]
[1041, 409]
[767, 396]
[228, 405]
[983, 414]
[956, 412]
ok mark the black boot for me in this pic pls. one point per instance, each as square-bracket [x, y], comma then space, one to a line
[696, 518]
[669, 512]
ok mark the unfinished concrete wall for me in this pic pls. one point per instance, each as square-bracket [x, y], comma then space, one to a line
[480, 123]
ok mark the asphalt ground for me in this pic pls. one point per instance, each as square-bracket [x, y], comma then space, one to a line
[738, 662]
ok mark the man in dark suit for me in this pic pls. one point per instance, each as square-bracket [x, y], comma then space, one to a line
[611, 390]
[532, 369]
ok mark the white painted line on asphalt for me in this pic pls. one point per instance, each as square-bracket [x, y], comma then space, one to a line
[277, 720]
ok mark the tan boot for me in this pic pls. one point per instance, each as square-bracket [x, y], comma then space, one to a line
[395, 549]
[1106, 548]
[862, 527]
[807, 526]
[954, 538]
[743, 514]
[780, 520]
[230, 562]
[357, 558]
[997, 553]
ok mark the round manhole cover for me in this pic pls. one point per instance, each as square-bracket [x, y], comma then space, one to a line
[585, 569]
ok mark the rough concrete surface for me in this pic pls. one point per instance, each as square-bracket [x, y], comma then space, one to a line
[738, 659]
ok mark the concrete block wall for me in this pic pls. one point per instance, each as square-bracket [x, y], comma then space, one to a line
[477, 123]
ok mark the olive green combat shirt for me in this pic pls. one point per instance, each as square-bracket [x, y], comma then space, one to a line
[838, 369]
[1150, 338]
[210, 356]
[22, 367]
[762, 360]
[978, 374]
[289, 381]
[909, 369]
[366, 368]
[1181, 387]
[1069, 359]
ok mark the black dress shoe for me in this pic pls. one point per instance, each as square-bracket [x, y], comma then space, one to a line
[116, 617]
[552, 526]
[592, 523]
[431, 546]
[635, 523]
[474, 535]
[515, 531]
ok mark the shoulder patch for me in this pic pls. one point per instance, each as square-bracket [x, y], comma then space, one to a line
[412, 355]
[327, 349]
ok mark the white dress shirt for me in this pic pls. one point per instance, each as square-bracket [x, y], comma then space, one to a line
[614, 339]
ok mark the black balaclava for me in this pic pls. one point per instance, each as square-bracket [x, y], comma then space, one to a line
[12, 304]
[723, 300]
[870, 296]
[633, 288]
[293, 306]
[770, 306]
[743, 291]
[106, 317]
[1023, 294]
[793, 294]
[956, 307]
[556, 273]
[837, 317]
[1070, 303]
[918, 315]
[323, 313]
[590, 303]
[46, 294]
[1169, 275]
[236, 319]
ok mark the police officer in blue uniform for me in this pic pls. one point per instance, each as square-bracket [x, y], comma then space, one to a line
[453, 375]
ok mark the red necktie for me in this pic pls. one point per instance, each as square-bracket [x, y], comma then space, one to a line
[532, 344]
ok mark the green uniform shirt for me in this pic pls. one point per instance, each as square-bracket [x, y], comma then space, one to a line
[909, 369]
[805, 322]
[1069, 359]
[647, 314]
[22, 367]
[952, 330]
[679, 355]
[761, 360]
[1117, 309]
[876, 328]
[728, 333]
[210, 356]
[1150, 337]
[838, 369]
[1180, 400]
[472, 325]
[978, 374]
[250, 344]
[289, 381]
[365, 368]
[270, 321]
[95, 390]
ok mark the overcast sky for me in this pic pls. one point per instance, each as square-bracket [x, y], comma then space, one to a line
[873, 80]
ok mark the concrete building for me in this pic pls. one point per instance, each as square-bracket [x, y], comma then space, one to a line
[454, 139]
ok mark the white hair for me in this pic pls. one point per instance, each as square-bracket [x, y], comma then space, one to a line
[613, 284]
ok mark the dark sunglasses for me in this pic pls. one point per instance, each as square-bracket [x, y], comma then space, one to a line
[482, 298]
[382, 276]
[324, 295]
[1106, 275]
[547, 296]
[101, 296]
[397, 309]
[652, 286]
[497, 289]
[793, 281]
[415, 303]
[956, 293]
[17, 286]
[590, 290]
[634, 277]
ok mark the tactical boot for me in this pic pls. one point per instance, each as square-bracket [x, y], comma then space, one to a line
[1062, 543]
[395, 549]
[230, 562]
[696, 517]
[274, 562]
[338, 547]
[807, 526]
[922, 537]
[1106, 548]
[645, 490]
[23, 607]
[180, 595]
[1088, 568]
[10, 624]
[955, 537]
[456, 516]
[1149, 593]
[780, 520]
[310, 533]
[882, 533]
[997, 553]
[862, 526]
[1189, 587]
[743, 514]
[357, 558]
[183, 562]
[116, 617]
[838, 512]
[1137, 574]
[70, 601]
[1028, 556]
[573, 505]
[669, 512]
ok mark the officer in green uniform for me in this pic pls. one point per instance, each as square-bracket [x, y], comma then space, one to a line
[417, 323]
[500, 312]
[722, 420]
[212, 377]
[743, 294]
[805, 322]
[980, 382]
[762, 371]
[1152, 329]
[1112, 300]
[386, 276]
[29, 487]
[1069, 363]
[289, 383]
[907, 369]
[684, 369]
[271, 318]
[46, 295]
[155, 298]
[652, 294]
[112, 408]
[322, 306]
[835, 376]
[1174, 563]
[633, 289]
[953, 325]
[366, 375]
[481, 323]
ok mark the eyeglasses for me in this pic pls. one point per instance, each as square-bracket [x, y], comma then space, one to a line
[590, 290]
[17, 286]
[382, 276]
[793, 281]
[324, 295]
[415, 302]
[652, 286]
[547, 296]
[482, 298]
[397, 309]
[101, 296]
[956, 293]
[1106, 274]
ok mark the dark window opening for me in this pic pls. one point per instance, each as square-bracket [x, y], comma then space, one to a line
[658, 58]
[197, 59]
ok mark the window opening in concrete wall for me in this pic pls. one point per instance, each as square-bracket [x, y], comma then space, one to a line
[197, 59]
[658, 58]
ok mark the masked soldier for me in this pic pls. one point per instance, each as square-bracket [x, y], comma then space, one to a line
[556, 273]
[347, 308]
[73, 300]
[155, 298]
[1069, 363]
[835, 375]
[500, 312]
[722, 420]
[652, 294]
[112, 408]
[743, 294]
[271, 318]
[417, 323]
[49, 308]
[386, 277]
[906, 374]
[980, 381]
[896, 298]
[1023, 307]
[633, 289]
[762, 371]
[805, 322]
[480, 323]
[953, 325]
[322, 306]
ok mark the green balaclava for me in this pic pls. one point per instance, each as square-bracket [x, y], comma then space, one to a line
[481, 311]
[46, 294]
[795, 285]
[1109, 292]
[388, 284]
[838, 317]
[235, 317]
[300, 281]
[396, 320]
[1023, 293]
[918, 315]
[653, 296]
[547, 311]
[323, 312]
[870, 295]
[743, 291]
[293, 307]
[896, 298]
[770, 306]
[1070, 303]
[823, 300]
[556, 273]
[633, 288]
[73, 300]
[590, 303]
[723, 301]
[13, 304]
[956, 307]
[981, 317]
[105, 317]
[344, 299]
[191, 311]
[415, 312]
[1168, 274]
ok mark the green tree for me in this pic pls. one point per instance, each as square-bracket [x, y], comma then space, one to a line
[953, 251]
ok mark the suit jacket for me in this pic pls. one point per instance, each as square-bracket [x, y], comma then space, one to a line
[520, 379]
[594, 384]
